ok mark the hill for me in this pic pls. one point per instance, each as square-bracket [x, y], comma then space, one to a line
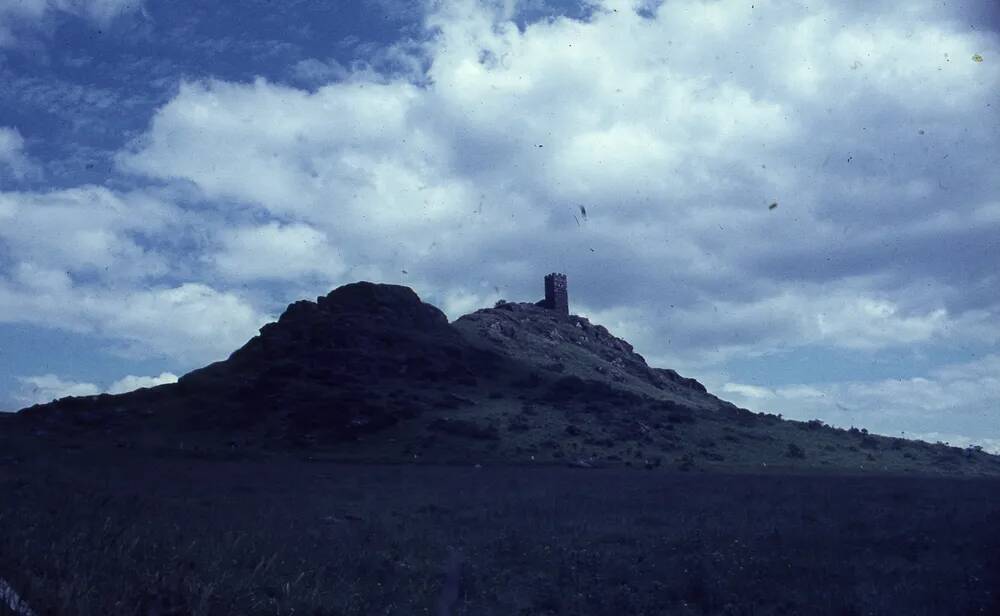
[369, 372]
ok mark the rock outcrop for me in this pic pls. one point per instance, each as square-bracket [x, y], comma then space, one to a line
[343, 365]
[572, 345]
[346, 364]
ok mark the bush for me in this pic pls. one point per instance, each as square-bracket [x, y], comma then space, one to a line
[794, 451]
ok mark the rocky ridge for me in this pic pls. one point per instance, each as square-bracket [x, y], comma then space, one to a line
[574, 346]
[369, 372]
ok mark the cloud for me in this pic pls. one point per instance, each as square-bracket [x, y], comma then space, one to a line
[48, 387]
[131, 383]
[949, 399]
[191, 323]
[13, 158]
[17, 15]
[85, 230]
[990, 445]
[118, 264]
[748, 392]
[277, 251]
[850, 314]
[312, 71]
[675, 128]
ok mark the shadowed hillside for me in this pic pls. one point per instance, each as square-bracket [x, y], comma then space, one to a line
[369, 372]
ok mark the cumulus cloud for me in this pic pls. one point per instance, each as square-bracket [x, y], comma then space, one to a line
[13, 159]
[676, 128]
[312, 71]
[131, 382]
[851, 314]
[990, 445]
[84, 230]
[48, 387]
[119, 264]
[191, 322]
[277, 251]
[950, 399]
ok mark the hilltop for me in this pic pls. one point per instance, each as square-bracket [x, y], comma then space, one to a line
[370, 372]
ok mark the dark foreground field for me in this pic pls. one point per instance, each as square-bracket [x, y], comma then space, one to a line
[83, 533]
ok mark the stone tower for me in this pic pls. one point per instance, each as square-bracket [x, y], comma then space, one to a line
[556, 296]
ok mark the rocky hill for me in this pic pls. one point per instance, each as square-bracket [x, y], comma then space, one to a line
[369, 372]
[572, 345]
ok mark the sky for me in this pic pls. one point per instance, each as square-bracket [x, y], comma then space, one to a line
[794, 202]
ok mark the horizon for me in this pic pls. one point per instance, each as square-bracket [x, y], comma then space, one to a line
[794, 205]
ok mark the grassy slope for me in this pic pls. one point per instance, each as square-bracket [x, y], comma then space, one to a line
[514, 425]
[518, 429]
[81, 532]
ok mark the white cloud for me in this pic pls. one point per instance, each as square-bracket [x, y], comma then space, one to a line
[844, 314]
[191, 323]
[88, 229]
[289, 150]
[748, 392]
[278, 252]
[460, 302]
[312, 71]
[131, 382]
[12, 155]
[20, 14]
[991, 445]
[100, 11]
[676, 132]
[48, 387]
[950, 399]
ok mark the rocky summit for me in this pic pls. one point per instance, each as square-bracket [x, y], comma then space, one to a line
[370, 372]
[572, 345]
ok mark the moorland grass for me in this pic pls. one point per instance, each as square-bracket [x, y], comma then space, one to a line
[89, 533]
